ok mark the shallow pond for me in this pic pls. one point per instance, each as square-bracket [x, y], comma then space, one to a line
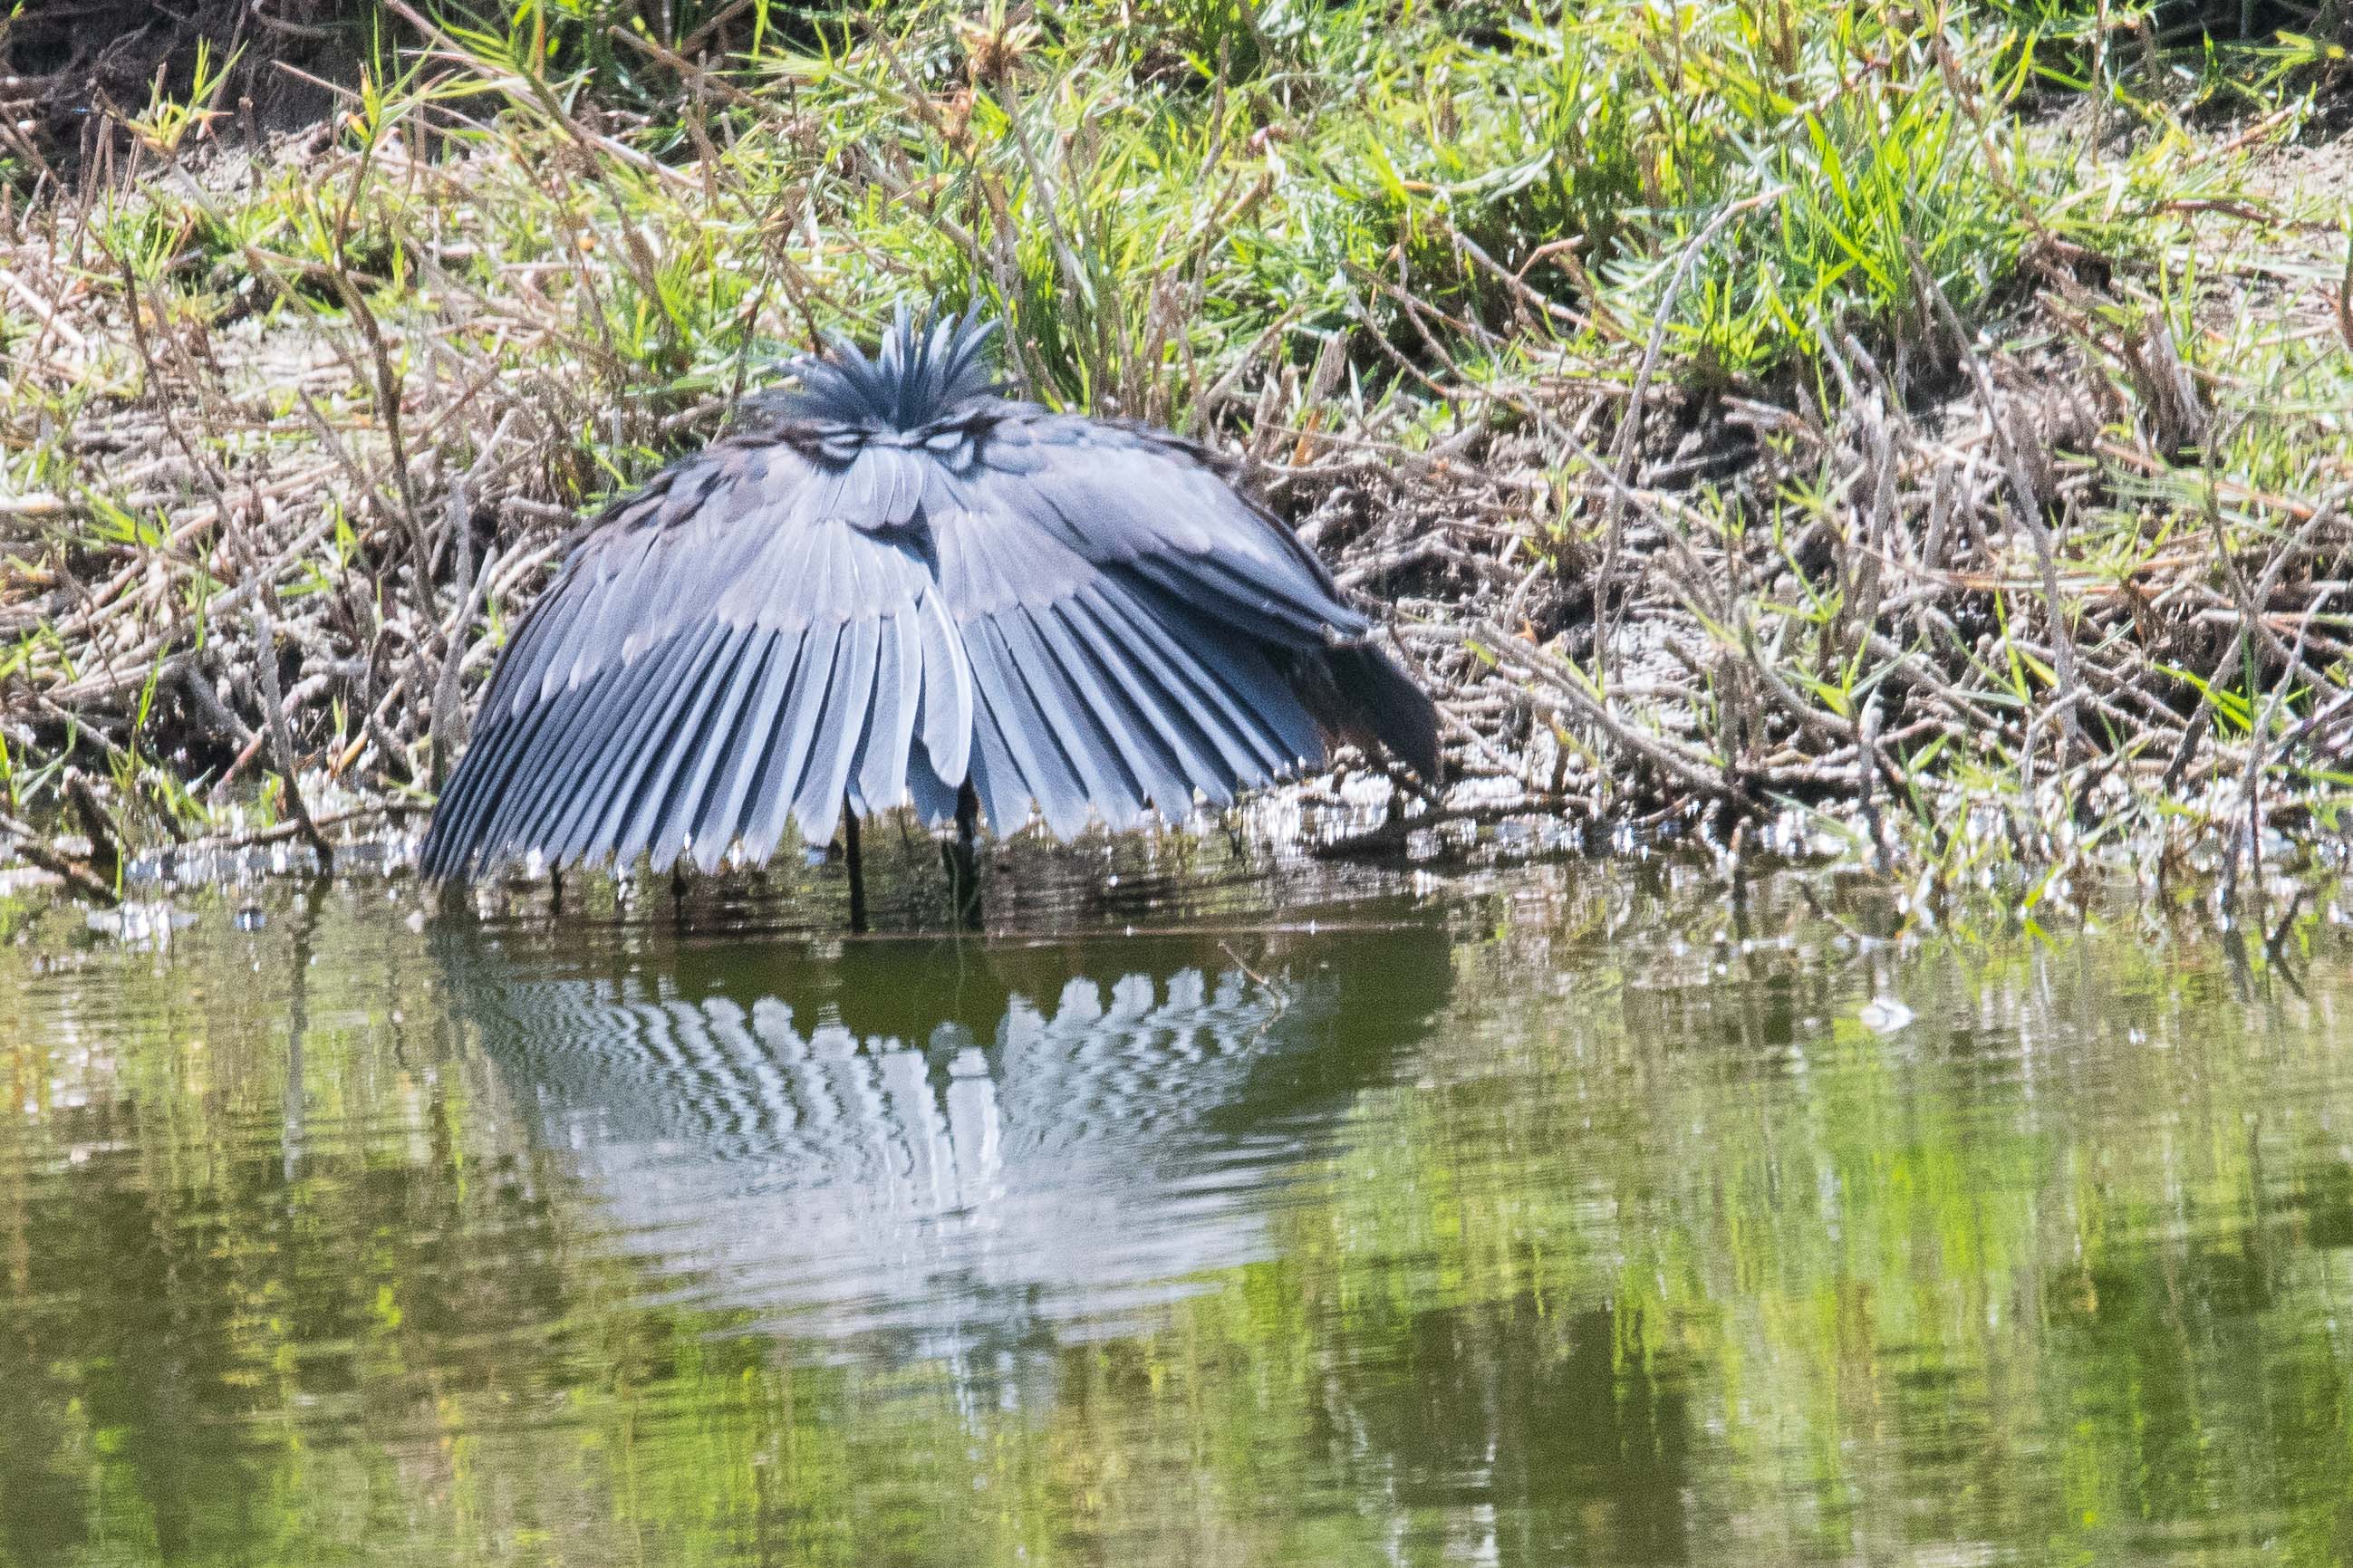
[1574, 1213]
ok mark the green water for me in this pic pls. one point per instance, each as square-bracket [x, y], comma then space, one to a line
[1577, 1214]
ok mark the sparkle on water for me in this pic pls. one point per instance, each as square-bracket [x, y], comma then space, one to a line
[1571, 1213]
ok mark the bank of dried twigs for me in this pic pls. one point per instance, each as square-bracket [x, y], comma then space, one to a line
[298, 430]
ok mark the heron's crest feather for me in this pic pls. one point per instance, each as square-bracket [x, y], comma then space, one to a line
[929, 365]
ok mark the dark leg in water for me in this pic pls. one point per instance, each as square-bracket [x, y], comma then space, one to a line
[962, 860]
[854, 856]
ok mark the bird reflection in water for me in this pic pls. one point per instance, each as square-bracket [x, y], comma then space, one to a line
[983, 1150]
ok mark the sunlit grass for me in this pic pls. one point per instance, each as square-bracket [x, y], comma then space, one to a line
[544, 246]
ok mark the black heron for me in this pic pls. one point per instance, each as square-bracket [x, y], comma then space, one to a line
[895, 584]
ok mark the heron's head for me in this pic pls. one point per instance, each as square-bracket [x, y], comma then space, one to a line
[928, 366]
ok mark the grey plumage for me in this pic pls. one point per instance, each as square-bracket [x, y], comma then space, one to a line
[894, 580]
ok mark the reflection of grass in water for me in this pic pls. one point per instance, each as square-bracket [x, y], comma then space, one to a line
[1660, 1258]
[1946, 1287]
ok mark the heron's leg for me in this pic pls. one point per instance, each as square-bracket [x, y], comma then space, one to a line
[854, 856]
[963, 862]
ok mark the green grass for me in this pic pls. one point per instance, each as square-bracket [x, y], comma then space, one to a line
[1429, 253]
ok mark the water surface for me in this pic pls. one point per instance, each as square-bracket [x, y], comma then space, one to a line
[1568, 1214]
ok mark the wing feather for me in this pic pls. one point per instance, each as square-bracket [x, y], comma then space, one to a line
[720, 743]
[506, 768]
[946, 721]
[848, 706]
[1111, 691]
[1138, 629]
[475, 791]
[787, 756]
[703, 724]
[608, 813]
[1216, 591]
[1279, 715]
[934, 798]
[657, 696]
[544, 755]
[879, 771]
[1079, 617]
[1004, 792]
[566, 780]
[1039, 767]
[526, 719]
[526, 668]
[1241, 738]
[1118, 496]
[1079, 726]
[611, 617]
[1212, 759]
[724, 817]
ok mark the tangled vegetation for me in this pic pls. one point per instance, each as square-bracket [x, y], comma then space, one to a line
[1923, 427]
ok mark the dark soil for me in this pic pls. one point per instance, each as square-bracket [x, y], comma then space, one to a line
[77, 69]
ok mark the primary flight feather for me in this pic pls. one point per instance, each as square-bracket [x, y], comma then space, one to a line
[893, 581]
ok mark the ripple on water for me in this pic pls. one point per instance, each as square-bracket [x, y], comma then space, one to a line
[871, 1167]
[1535, 1215]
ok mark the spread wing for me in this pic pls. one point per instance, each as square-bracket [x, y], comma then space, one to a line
[1079, 617]
[754, 636]
[1134, 627]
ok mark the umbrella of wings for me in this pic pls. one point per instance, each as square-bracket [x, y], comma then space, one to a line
[894, 585]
